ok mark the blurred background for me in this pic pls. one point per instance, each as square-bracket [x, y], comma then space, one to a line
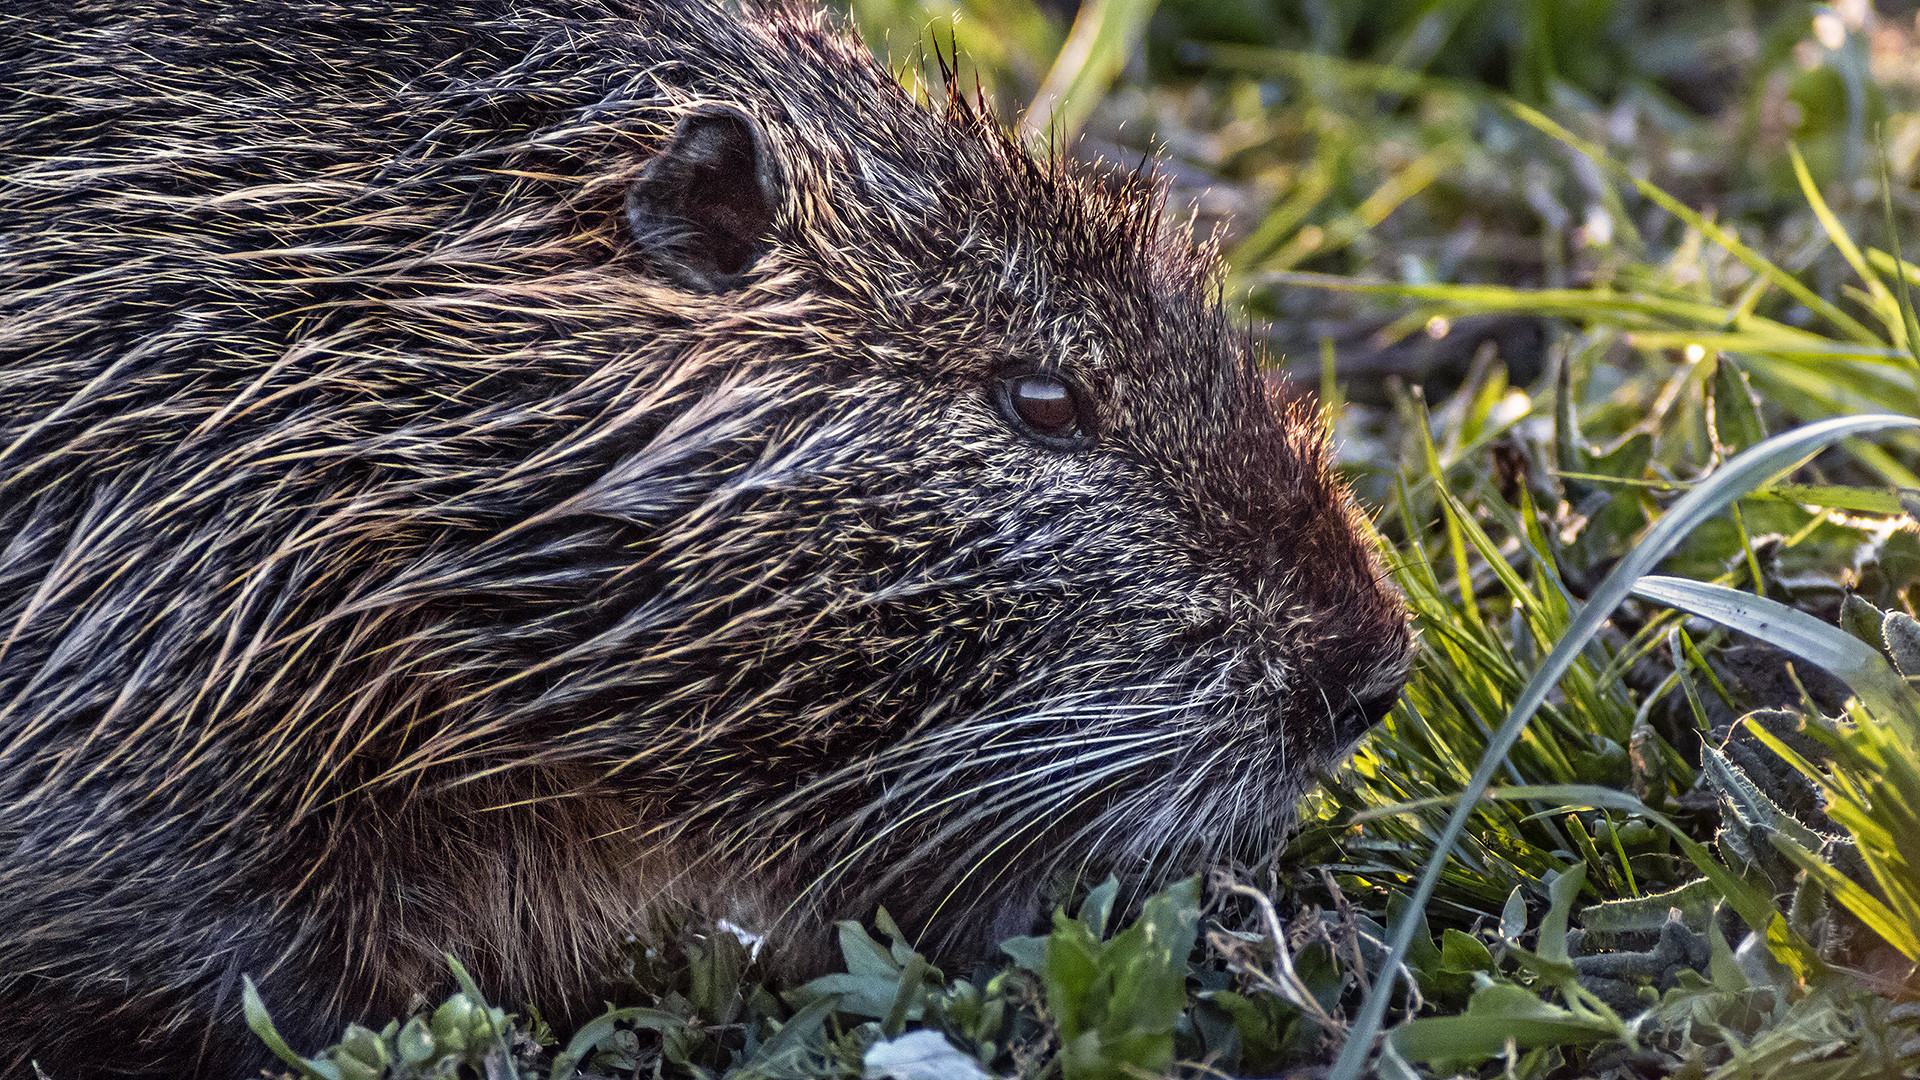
[1377, 140]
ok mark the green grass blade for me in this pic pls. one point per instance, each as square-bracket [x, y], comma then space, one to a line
[1754, 261]
[1103, 33]
[1626, 309]
[1743, 473]
[1846, 657]
[1763, 338]
[1882, 301]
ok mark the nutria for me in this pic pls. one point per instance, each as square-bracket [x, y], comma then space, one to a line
[473, 473]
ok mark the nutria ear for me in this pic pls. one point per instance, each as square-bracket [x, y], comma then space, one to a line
[701, 210]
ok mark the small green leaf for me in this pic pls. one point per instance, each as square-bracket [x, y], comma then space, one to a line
[1116, 1003]
[467, 985]
[1463, 953]
[870, 996]
[1028, 952]
[1901, 633]
[1422, 954]
[1072, 965]
[1736, 421]
[1695, 901]
[452, 1023]
[1513, 917]
[908, 997]
[587, 1039]
[863, 955]
[901, 949]
[415, 1044]
[792, 1040]
[255, 1012]
[1098, 906]
[1498, 1012]
[1862, 620]
[1258, 1023]
[361, 1054]
[1553, 929]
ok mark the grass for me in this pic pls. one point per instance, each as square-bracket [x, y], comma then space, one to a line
[1702, 214]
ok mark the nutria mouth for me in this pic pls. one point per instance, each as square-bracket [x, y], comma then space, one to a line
[471, 476]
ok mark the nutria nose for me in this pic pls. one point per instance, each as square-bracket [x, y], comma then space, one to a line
[1375, 709]
[1360, 717]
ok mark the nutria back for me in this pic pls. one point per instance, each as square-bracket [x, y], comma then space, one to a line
[472, 474]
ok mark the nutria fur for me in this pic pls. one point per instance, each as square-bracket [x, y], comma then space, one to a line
[471, 473]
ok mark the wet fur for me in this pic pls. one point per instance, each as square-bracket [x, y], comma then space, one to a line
[394, 560]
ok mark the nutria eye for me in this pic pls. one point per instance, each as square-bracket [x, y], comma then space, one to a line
[1047, 408]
